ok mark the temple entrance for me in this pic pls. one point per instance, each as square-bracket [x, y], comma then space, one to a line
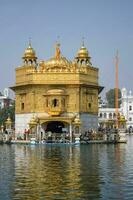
[55, 127]
[56, 132]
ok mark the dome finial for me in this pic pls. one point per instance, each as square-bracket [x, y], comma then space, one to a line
[83, 41]
[58, 39]
[57, 49]
[29, 41]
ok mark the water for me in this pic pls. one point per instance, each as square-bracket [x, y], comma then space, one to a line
[66, 172]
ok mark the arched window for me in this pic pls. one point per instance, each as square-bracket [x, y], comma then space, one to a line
[114, 115]
[55, 102]
[22, 106]
[101, 115]
[105, 115]
[110, 115]
[89, 105]
[130, 107]
[130, 119]
[46, 102]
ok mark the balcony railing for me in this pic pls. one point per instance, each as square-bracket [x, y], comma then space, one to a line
[55, 111]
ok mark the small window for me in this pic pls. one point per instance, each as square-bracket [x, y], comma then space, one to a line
[110, 115]
[105, 115]
[46, 102]
[89, 105]
[130, 119]
[130, 107]
[55, 102]
[22, 106]
[101, 115]
[114, 115]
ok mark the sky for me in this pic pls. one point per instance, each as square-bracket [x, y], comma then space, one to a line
[106, 25]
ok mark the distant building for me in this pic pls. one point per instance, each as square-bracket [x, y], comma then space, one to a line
[5, 100]
[126, 109]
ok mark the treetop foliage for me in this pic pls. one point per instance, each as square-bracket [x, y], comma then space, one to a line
[110, 96]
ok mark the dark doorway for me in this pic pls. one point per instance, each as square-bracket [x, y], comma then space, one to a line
[55, 127]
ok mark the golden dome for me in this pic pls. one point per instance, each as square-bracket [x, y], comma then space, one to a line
[29, 52]
[33, 121]
[60, 62]
[8, 121]
[83, 56]
[77, 120]
[83, 52]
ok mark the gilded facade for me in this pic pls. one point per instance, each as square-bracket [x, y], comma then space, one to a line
[56, 95]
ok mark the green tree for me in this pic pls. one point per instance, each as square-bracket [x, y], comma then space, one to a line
[110, 96]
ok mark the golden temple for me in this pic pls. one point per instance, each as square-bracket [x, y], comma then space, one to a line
[57, 95]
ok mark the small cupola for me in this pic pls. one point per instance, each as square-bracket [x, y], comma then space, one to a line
[83, 56]
[30, 55]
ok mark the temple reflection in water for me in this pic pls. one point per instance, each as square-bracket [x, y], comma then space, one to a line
[54, 172]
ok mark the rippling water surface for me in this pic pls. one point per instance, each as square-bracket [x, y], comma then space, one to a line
[66, 172]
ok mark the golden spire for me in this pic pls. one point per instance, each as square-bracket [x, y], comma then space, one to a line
[83, 41]
[57, 51]
[30, 42]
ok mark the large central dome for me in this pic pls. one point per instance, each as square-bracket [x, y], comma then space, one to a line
[61, 62]
[58, 61]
